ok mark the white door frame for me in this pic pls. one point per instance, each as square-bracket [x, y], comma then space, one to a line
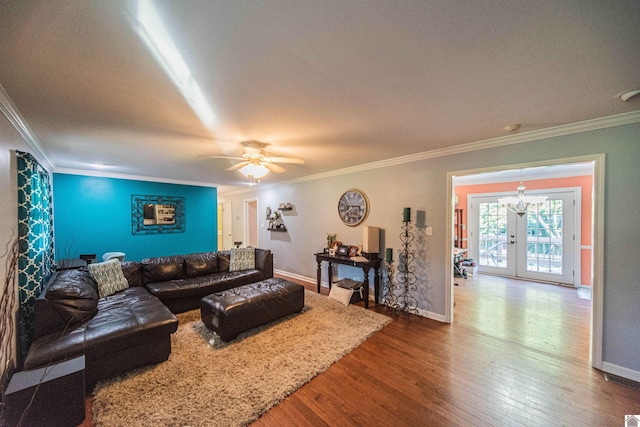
[227, 226]
[598, 241]
[248, 219]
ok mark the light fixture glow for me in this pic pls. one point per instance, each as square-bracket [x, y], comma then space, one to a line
[254, 170]
[521, 203]
[149, 26]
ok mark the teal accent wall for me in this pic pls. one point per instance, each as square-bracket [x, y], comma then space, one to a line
[92, 215]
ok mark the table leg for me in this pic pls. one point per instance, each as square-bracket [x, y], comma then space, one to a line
[376, 284]
[319, 274]
[366, 286]
[330, 274]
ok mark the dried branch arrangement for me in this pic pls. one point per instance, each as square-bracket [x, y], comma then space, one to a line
[8, 302]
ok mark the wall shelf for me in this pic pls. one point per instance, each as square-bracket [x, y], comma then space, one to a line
[277, 229]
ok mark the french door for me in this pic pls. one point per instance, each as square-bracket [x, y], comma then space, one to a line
[540, 245]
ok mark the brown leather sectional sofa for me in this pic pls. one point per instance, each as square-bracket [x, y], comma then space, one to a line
[131, 328]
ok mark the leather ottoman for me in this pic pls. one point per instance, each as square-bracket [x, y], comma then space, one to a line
[236, 310]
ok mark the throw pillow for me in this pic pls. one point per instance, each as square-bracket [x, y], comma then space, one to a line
[242, 259]
[341, 294]
[109, 277]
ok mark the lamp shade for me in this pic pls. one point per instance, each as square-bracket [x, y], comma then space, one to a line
[254, 170]
[370, 239]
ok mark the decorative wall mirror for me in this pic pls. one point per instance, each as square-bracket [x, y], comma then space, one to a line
[157, 214]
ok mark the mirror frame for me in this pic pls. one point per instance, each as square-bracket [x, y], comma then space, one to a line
[138, 226]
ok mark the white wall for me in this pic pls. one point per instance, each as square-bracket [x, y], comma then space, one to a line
[422, 185]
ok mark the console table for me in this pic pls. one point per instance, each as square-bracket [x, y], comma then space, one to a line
[345, 260]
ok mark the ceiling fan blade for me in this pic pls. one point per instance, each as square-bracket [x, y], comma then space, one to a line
[273, 167]
[220, 157]
[288, 160]
[237, 166]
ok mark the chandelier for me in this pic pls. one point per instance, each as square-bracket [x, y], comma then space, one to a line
[521, 203]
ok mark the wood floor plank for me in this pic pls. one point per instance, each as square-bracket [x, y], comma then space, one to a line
[516, 354]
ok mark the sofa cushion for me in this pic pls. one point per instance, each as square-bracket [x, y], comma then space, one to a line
[131, 270]
[203, 285]
[263, 259]
[109, 277]
[224, 257]
[73, 296]
[129, 318]
[200, 264]
[242, 259]
[161, 269]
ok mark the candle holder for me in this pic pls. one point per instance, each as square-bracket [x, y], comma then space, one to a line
[390, 299]
[406, 277]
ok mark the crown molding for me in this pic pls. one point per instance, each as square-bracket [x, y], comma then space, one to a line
[103, 174]
[561, 130]
[535, 135]
[12, 114]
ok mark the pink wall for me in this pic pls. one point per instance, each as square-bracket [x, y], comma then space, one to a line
[585, 182]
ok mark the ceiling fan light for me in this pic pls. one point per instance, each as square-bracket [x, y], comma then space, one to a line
[254, 170]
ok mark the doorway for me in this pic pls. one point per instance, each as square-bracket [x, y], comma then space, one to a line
[251, 223]
[595, 212]
[542, 244]
[225, 228]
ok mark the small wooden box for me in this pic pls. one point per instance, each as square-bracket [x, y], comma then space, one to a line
[59, 400]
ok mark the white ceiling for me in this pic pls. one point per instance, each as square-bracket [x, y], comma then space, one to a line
[339, 83]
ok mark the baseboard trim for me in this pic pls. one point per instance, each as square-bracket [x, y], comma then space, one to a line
[621, 371]
[433, 316]
[298, 277]
[424, 313]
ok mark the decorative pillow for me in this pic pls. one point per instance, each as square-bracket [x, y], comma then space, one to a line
[242, 259]
[341, 294]
[109, 277]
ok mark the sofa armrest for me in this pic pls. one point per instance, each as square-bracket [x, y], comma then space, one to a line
[46, 318]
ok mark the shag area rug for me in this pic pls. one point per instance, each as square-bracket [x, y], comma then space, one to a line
[207, 382]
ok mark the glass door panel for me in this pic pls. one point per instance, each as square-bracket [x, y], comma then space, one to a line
[549, 240]
[538, 245]
[493, 245]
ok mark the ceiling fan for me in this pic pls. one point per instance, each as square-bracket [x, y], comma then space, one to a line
[254, 161]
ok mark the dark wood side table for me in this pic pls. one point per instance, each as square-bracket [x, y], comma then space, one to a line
[373, 262]
[59, 401]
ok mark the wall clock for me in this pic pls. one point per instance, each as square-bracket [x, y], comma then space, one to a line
[353, 207]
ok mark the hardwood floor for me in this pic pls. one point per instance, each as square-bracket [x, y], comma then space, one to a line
[516, 354]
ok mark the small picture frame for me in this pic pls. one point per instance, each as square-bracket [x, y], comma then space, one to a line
[332, 252]
[343, 250]
[353, 251]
